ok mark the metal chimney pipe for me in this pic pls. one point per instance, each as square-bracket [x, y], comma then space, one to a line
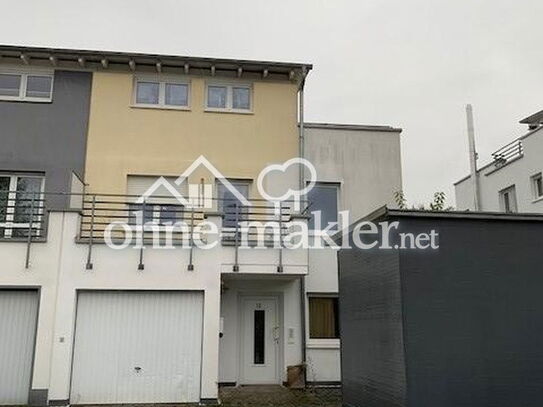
[473, 159]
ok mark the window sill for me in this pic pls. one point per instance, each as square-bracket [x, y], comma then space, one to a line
[25, 100]
[158, 107]
[538, 199]
[234, 111]
[323, 344]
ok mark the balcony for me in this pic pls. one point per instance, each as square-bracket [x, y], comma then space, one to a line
[161, 222]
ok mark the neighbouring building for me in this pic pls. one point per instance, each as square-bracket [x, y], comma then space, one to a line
[93, 325]
[513, 181]
[460, 324]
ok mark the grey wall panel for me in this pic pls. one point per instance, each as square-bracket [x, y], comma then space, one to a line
[49, 137]
[18, 315]
[474, 314]
[373, 369]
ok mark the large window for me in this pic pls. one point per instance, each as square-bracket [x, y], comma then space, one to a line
[234, 98]
[323, 199]
[229, 204]
[537, 186]
[21, 203]
[172, 94]
[30, 87]
[323, 317]
[508, 199]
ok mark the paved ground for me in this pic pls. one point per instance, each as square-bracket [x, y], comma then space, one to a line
[278, 396]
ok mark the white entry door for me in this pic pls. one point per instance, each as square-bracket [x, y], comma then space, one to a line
[137, 347]
[18, 314]
[260, 338]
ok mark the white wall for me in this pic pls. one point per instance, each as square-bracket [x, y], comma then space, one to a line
[518, 173]
[367, 165]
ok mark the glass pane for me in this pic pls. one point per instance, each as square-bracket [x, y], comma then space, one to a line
[39, 86]
[9, 85]
[230, 205]
[241, 98]
[323, 198]
[216, 96]
[169, 214]
[177, 94]
[323, 318]
[4, 188]
[147, 93]
[28, 188]
[260, 327]
[136, 214]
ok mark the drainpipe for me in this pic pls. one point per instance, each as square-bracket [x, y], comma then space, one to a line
[302, 185]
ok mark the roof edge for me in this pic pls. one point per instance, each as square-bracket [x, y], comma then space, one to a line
[346, 126]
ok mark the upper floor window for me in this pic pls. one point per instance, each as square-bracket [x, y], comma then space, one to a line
[233, 98]
[537, 186]
[21, 204]
[508, 199]
[173, 94]
[233, 210]
[30, 87]
[323, 199]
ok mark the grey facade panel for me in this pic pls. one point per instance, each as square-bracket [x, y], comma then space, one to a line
[372, 364]
[50, 138]
[472, 314]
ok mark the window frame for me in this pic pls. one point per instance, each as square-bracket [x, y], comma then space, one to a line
[328, 340]
[220, 202]
[24, 74]
[162, 82]
[511, 192]
[327, 184]
[229, 97]
[9, 224]
[536, 181]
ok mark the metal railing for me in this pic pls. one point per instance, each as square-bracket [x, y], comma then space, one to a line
[156, 219]
[508, 153]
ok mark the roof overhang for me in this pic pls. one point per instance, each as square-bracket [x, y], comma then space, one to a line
[106, 60]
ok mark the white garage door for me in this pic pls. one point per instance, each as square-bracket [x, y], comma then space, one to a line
[18, 313]
[137, 347]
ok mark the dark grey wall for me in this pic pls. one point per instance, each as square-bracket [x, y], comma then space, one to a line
[473, 315]
[372, 363]
[49, 137]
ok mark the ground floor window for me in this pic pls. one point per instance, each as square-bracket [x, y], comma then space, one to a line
[21, 204]
[323, 317]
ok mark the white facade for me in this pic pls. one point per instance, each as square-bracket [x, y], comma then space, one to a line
[518, 174]
[364, 162]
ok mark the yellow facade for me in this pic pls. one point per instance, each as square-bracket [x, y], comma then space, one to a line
[126, 140]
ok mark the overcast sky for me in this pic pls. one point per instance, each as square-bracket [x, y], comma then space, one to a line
[407, 63]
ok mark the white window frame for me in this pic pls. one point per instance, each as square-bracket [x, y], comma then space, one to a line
[24, 74]
[328, 184]
[513, 203]
[320, 343]
[229, 97]
[538, 195]
[8, 225]
[162, 81]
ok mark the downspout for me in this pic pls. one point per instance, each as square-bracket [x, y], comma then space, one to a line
[301, 141]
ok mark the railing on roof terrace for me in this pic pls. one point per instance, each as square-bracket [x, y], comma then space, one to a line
[158, 218]
[508, 153]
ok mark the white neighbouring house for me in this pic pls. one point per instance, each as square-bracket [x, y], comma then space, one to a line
[513, 181]
[234, 317]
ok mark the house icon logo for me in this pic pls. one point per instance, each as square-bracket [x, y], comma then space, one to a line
[199, 195]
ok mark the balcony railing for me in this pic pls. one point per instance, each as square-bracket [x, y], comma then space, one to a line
[508, 153]
[158, 219]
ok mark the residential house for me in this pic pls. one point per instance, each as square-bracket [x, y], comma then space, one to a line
[513, 181]
[96, 325]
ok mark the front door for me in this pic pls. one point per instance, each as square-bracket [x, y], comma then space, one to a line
[260, 337]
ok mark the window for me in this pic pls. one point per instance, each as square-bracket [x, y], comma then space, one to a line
[233, 98]
[229, 204]
[508, 200]
[169, 94]
[161, 208]
[323, 317]
[260, 337]
[21, 204]
[28, 87]
[537, 186]
[323, 199]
